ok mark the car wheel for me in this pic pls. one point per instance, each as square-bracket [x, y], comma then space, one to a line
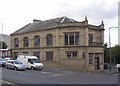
[41, 68]
[15, 68]
[32, 68]
[6, 67]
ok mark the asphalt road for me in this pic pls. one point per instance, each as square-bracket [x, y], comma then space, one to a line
[57, 76]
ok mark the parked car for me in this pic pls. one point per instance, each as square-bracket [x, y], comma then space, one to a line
[107, 66]
[14, 64]
[2, 62]
[8, 58]
[118, 67]
[31, 62]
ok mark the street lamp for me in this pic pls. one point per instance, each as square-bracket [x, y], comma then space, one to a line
[110, 44]
[1, 38]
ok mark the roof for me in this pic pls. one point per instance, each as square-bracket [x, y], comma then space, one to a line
[38, 25]
[41, 25]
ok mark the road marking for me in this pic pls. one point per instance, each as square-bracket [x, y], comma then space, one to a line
[46, 72]
[57, 74]
[53, 75]
[18, 71]
[116, 74]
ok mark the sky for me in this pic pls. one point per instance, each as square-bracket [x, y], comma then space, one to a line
[15, 14]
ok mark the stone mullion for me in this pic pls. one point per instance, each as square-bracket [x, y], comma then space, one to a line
[74, 39]
[68, 39]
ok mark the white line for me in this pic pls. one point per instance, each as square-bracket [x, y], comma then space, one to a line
[57, 74]
[18, 71]
[46, 72]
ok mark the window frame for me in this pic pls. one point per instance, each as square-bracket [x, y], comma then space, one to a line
[90, 38]
[16, 43]
[49, 40]
[36, 41]
[71, 38]
[91, 56]
[71, 54]
[26, 42]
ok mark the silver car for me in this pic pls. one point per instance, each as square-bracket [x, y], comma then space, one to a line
[14, 64]
[2, 62]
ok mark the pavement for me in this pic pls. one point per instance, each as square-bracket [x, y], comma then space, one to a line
[4, 83]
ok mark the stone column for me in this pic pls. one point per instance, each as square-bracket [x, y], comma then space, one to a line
[57, 38]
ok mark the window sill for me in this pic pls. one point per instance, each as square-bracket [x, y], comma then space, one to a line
[71, 59]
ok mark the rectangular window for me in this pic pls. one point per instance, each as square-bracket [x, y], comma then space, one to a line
[76, 38]
[25, 42]
[49, 55]
[49, 40]
[71, 54]
[71, 38]
[66, 38]
[36, 41]
[16, 43]
[90, 40]
[91, 55]
[37, 53]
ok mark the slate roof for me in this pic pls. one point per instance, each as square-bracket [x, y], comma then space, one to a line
[47, 24]
[38, 25]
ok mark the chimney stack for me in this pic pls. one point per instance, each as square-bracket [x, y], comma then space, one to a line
[36, 21]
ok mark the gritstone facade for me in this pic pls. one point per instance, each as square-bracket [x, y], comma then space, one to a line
[62, 42]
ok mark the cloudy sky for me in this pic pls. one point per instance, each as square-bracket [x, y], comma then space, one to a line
[14, 14]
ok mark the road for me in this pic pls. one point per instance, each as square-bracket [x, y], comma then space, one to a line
[57, 76]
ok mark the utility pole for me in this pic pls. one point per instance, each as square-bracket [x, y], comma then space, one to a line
[1, 37]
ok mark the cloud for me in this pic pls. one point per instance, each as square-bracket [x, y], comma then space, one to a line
[95, 10]
[15, 14]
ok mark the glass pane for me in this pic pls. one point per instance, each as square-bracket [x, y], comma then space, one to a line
[76, 38]
[66, 38]
[49, 40]
[71, 39]
[36, 41]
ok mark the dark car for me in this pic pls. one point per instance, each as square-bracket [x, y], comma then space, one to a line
[107, 66]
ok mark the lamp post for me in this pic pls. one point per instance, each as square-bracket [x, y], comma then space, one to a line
[1, 38]
[110, 44]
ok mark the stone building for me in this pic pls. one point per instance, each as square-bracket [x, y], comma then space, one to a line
[62, 42]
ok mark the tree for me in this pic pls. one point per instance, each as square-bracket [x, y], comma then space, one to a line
[4, 45]
[115, 51]
[115, 54]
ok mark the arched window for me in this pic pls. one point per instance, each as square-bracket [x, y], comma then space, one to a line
[36, 41]
[49, 40]
[26, 42]
[16, 42]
